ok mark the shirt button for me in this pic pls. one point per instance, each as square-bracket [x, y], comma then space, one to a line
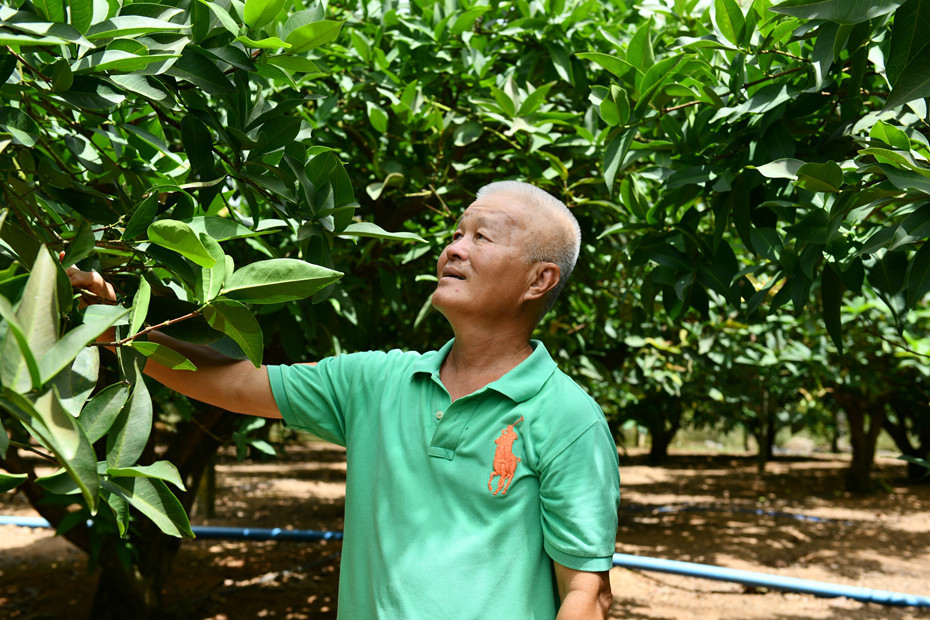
[439, 415]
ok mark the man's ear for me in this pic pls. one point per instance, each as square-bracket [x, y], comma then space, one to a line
[545, 277]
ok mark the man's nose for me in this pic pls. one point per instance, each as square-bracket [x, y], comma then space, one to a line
[457, 249]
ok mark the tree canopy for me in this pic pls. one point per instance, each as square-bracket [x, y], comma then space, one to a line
[752, 180]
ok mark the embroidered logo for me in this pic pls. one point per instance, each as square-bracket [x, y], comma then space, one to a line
[505, 463]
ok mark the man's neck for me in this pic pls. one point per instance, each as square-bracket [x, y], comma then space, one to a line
[477, 359]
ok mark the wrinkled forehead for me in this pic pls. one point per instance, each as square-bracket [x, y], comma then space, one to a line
[497, 211]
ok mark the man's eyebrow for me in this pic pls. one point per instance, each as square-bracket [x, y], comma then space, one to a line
[482, 220]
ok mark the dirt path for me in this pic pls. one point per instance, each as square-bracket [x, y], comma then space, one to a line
[698, 509]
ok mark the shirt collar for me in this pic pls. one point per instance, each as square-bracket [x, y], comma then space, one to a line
[519, 384]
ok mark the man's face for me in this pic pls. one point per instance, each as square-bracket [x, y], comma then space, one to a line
[482, 271]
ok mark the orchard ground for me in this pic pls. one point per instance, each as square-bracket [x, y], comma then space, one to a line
[707, 500]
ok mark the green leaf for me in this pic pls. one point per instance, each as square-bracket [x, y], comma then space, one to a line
[17, 123]
[614, 155]
[128, 26]
[294, 64]
[831, 291]
[96, 321]
[142, 217]
[81, 246]
[4, 440]
[224, 229]
[236, 321]
[467, 133]
[181, 238]
[368, 229]
[117, 60]
[139, 84]
[312, 35]
[609, 112]
[890, 135]
[257, 13]
[197, 141]
[729, 20]
[816, 177]
[534, 100]
[377, 117]
[201, 72]
[615, 65]
[278, 280]
[130, 432]
[640, 51]
[656, 77]
[913, 83]
[899, 159]
[37, 317]
[163, 355]
[888, 276]
[841, 11]
[223, 15]
[99, 414]
[52, 10]
[159, 470]
[60, 483]
[210, 280]
[62, 76]
[786, 168]
[908, 37]
[71, 447]
[76, 381]
[16, 337]
[279, 132]
[268, 43]
[140, 305]
[8, 482]
[466, 20]
[153, 499]
[918, 276]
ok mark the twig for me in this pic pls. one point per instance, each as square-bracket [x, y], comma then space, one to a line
[439, 198]
[781, 53]
[100, 300]
[772, 77]
[119, 343]
[24, 446]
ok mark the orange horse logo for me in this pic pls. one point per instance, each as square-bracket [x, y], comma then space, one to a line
[505, 463]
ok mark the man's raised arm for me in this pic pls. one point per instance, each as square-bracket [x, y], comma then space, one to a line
[235, 385]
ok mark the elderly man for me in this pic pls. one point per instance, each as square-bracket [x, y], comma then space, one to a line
[482, 481]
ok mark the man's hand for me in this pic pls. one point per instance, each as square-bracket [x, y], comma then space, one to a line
[94, 289]
[235, 385]
[585, 595]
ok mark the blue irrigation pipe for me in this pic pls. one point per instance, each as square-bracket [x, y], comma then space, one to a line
[211, 531]
[669, 508]
[766, 580]
[690, 569]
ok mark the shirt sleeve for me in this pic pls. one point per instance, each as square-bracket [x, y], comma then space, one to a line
[580, 497]
[310, 397]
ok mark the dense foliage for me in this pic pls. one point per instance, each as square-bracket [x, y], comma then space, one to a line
[752, 183]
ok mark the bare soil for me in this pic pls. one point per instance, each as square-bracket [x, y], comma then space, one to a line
[699, 508]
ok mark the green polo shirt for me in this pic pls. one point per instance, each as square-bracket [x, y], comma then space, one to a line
[455, 510]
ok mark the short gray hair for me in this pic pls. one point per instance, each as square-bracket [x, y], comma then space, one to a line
[562, 247]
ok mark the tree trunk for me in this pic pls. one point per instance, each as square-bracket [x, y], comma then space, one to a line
[658, 451]
[765, 435]
[901, 434]
[865, 423]
[662, 430]
[134, 590]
